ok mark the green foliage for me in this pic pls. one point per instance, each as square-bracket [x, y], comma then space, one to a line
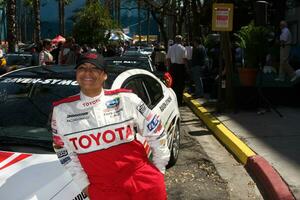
[91, 23]
[254, 41]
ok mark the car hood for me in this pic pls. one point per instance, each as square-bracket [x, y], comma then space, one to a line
[31, 176]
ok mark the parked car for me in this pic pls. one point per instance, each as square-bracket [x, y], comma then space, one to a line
[139, 62]
[29, 168]
[18, 59]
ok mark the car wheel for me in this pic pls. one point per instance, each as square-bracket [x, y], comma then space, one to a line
[175, 147]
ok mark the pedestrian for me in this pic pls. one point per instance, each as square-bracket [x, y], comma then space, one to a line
[66, 55]
[189, 79]
[199, 59]
[177, 60]
[95, 137]
[45, 57]
[160, 58]
[285, 46]
[55, 52]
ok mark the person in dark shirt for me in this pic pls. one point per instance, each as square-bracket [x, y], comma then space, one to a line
[199, 58]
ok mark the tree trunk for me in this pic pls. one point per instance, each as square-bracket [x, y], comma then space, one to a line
[61, 12]
[37, 20]
[11, 25]
[160, 22]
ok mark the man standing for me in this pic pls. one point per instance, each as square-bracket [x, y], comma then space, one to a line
[177, 60]
[285, 46]
[199, 59]
[95, 133]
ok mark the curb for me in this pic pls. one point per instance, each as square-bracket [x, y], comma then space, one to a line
[267, 177]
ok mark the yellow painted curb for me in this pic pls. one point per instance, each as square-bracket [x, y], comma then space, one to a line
[232, 142]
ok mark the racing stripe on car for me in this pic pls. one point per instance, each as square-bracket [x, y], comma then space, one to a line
[5, 155]
[13, 159]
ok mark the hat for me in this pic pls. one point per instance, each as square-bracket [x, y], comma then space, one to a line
[93, 58]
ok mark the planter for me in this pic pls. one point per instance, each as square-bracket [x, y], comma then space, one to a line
[247, 76]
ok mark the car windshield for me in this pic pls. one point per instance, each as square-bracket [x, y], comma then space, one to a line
[18, 59]
[129, 63]
[26, 102]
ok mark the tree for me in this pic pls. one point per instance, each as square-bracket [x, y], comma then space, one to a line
[91, 23]
[35, 4]
[61, 14]
[11, 25]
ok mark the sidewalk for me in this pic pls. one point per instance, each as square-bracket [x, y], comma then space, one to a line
[275, 139]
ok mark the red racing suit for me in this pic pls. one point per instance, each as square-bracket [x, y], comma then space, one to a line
[95, 140]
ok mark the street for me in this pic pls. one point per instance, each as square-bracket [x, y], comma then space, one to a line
[205, 170]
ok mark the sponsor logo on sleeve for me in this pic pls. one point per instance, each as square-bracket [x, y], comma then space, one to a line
[153, 123]
[142, 108]
[62, 153]
[65, 160]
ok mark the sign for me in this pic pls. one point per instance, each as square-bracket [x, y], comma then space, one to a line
[222, 17]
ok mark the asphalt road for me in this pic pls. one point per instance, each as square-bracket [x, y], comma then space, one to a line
[205, 170]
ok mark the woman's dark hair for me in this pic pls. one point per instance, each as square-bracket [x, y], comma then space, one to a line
[46, 42]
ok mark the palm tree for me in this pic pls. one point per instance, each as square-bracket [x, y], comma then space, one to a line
[37, 19]
[61, 13]
[11, 25]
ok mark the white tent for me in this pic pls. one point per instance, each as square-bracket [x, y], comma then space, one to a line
[119, 35]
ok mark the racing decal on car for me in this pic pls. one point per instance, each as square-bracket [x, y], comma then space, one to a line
[165, 104]
[113, 103]
[102, 138]
[153, 123]
[41, 81]
[80, 196]
[77, 117]
[7, 159]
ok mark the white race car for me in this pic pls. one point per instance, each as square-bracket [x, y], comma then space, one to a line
[29, 168]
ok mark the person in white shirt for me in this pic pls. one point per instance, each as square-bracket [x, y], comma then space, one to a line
[177, 61]
[45, 57]
[285, 46]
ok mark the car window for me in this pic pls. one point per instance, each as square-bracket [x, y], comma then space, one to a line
[129, 63]
[26, 104]
[154, 90]
[138, 88]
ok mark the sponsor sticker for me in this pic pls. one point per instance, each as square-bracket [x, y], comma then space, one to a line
[57, 142]
[142, 108]
[153, 123]
[62, 153]
[65, 160]
[113, 103]
[77, 117]
[164, 105]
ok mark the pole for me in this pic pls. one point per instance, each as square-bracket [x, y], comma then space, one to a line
[139, 21]
[148, 24]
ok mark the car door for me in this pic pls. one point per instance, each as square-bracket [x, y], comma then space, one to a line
[154, 94]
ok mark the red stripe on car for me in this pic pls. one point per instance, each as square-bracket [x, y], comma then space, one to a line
[17, 159]
[5, 155]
